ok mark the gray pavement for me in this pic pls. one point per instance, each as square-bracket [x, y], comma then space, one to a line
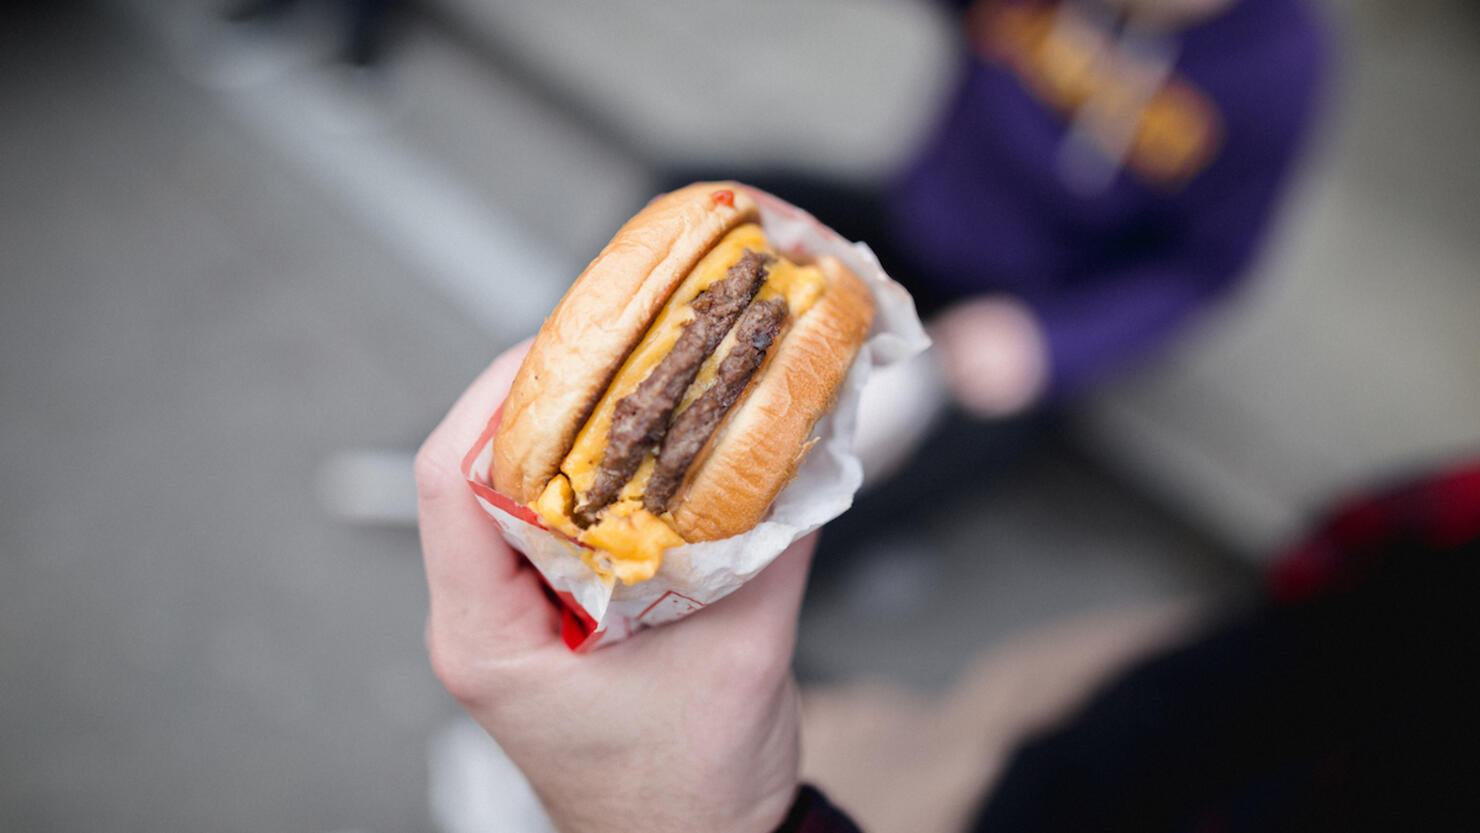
[186, 641]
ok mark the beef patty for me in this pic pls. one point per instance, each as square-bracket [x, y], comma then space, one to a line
[641, 418]
[753, 336]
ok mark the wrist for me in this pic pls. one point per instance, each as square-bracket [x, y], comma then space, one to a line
[769, 815]
[654, 796]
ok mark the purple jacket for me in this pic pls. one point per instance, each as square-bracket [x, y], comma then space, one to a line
[1114, 207]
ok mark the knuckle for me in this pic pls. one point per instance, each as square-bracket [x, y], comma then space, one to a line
[461, 678]
[430, 471]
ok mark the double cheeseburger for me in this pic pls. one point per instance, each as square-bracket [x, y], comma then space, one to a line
[673, 392]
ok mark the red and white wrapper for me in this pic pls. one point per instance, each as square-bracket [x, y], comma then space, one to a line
[599, 611]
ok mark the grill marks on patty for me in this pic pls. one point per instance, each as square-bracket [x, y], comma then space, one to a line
[641, 418]
[753, 336]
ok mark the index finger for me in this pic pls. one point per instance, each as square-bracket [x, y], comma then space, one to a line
[480, 592]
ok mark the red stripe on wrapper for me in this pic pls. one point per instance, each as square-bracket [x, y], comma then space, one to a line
[488, 431]
[518, 510]
[577, 629]
[480, 480]
[576, 625]
[674, 599]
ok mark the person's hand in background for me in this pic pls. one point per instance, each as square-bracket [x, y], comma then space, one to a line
[993, 354]
[691, 726]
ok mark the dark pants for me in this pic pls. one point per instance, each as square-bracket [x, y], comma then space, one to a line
[1351, 711]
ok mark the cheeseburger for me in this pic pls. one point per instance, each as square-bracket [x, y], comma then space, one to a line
[673, 392]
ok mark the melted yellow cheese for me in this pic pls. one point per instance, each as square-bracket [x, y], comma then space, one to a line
[632, 537]
[628, 541]
[555, 504]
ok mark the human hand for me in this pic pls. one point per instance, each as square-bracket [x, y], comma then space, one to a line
[993, 353]
[691, 726]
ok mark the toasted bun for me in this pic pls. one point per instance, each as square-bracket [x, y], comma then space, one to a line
[757, 449]
[758, 446]
[602, 316]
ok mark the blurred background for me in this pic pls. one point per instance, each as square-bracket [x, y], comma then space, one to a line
[235, 252]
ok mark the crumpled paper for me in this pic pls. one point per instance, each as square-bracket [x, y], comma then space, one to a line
[599, 611]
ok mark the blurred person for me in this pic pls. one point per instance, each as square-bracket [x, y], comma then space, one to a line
[1101, 174]
[1342, 699]
[1104, 169]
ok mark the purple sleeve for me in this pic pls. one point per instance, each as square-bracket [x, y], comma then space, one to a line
[812, 813]
[1096, 323]
[1108, 319]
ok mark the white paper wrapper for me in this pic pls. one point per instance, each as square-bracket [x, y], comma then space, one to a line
[601, 611]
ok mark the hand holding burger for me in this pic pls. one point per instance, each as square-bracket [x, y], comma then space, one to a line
[690, 727]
